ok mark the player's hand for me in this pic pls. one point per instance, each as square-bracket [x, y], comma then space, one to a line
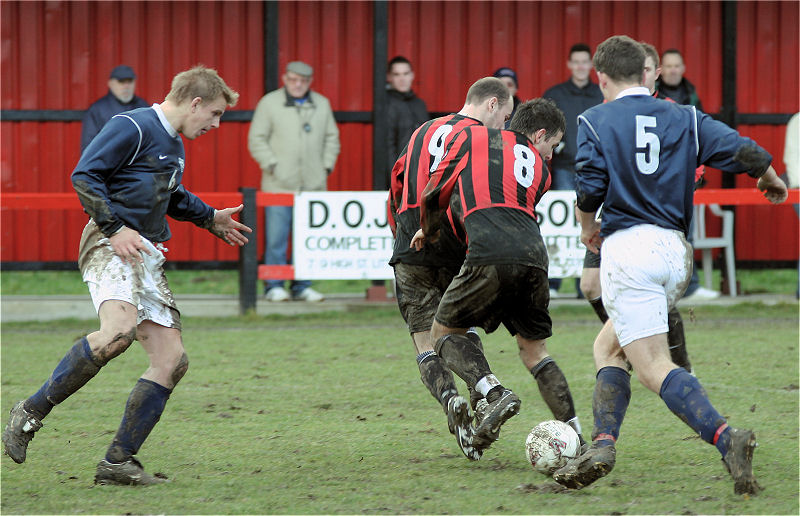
[127, 244]
[228, 229]
[590, 237]
[774, 189]
[418, 241]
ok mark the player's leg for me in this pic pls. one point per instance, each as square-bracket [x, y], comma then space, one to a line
[677, 340]
[146, 402]
[79, 365]
[419, 289]
[590, 284]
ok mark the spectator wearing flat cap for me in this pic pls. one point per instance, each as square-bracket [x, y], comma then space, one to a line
[294, 139]
[121, 97]
[509, 78]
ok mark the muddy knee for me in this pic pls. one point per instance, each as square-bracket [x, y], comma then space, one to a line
[115, 346]
[180, 369]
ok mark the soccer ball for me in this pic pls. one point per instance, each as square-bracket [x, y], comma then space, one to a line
[550, 445]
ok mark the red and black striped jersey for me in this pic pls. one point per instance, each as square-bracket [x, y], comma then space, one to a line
[425, 150]
[498, 177]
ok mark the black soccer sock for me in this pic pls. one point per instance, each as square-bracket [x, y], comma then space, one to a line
[76, 368]
[436, 377]
[677, 340]
[464, 357]
[554, 389]
[474, 396]
[142, 411]
[599, 309]
[612, 394]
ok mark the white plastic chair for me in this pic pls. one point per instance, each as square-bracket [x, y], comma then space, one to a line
[706, 243]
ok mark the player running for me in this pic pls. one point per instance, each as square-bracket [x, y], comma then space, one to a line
[492, 180]
[637, 156]
[422, 277]
[128, 180]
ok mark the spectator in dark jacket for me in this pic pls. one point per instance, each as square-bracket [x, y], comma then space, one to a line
[673, 84]
[120, 97]
[509, 78]
[404, 113]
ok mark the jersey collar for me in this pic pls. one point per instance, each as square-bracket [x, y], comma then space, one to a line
[636, 90]
[163, 119]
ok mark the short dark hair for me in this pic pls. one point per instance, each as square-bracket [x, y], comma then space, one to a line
[487, 88]
[621, 58]
[398, 59]
[536, 114]
[651, 52]
[672, 51]
[579, 47]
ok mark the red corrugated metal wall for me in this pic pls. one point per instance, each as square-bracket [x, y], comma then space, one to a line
[56, 55]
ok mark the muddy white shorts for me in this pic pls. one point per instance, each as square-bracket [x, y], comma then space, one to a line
[143, 285]
[644, 271]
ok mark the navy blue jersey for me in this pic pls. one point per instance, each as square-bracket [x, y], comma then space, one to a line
[101, 112]
[130, 175]
[637, 156]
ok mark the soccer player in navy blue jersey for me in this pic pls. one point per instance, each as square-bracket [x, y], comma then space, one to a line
[590, 276]
[422, 277]
[492, 180]
[637, 156]
[128, 180]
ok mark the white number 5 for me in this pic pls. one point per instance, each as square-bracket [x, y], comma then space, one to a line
[647, 144]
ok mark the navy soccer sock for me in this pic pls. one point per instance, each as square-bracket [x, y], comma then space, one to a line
[687, 399]
[436, 377]
[612, 394]
[143, 410]
[76, 368]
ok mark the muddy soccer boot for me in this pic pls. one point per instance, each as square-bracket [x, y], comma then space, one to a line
[739, 461]
[460, 425]
[129, 473]
[19, 432]
[581, 471]
[497, 412]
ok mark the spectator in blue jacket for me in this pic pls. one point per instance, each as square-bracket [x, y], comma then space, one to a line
[120, 97]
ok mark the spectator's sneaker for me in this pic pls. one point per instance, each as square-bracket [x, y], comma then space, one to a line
[129, 473]
[19, 432]
[497, 412]
[309, 295]
[739, 461]
[702, 294]
[581, 471]
[460, 425]
[276, 295]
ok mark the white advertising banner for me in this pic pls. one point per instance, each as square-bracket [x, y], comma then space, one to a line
[341, 235]
[345, 235]
[561, 233]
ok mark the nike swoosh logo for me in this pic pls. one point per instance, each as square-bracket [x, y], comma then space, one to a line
[160, 156]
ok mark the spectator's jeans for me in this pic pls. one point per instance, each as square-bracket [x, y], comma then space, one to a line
[278, 225]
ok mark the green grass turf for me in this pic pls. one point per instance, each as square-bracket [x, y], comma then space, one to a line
[226, 282]
[326, 414]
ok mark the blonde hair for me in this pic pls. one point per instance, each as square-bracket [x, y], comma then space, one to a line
[200, 82]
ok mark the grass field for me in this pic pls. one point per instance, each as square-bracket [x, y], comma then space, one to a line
[326, 414]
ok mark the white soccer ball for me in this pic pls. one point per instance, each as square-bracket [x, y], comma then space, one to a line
[550, 445]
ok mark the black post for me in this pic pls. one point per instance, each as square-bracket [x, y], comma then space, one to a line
[379, 129]
[271, 71]
[248, 254]
[728, 111]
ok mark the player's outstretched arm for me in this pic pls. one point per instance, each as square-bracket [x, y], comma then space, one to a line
[228, 229]
[774, 189]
